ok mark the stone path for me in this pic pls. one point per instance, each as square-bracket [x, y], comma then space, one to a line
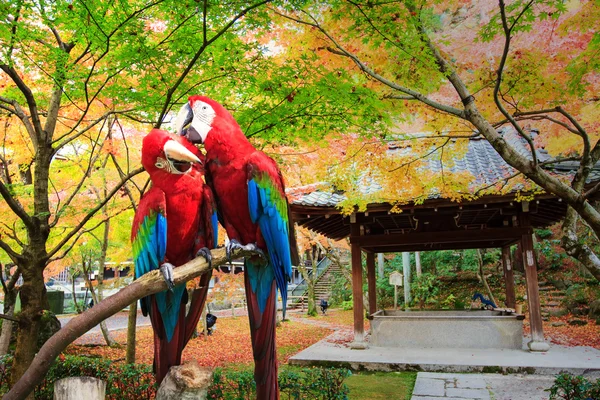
[438, 386]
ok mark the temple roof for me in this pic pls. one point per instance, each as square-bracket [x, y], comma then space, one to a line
[315, 207]
[481, 160]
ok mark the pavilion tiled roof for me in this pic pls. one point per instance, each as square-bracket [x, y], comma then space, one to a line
[480, 159]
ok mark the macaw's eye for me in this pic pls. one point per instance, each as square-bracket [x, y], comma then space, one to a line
[181, 166]
[159, 164]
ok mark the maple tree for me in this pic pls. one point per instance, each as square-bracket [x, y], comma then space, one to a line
[81, 80]
[68, 70]
[463, 69]
[311, 244]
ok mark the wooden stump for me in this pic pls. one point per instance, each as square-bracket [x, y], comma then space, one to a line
[79, 387]
[185, 382]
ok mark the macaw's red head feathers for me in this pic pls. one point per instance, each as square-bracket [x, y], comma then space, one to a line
[161, 152]
[202, 118]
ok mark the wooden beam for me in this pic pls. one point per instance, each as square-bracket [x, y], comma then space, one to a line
[509, 278]
[533, 295]
[490, 244]
[458, 236]
[372, 281]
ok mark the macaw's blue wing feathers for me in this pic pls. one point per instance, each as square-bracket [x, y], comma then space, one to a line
[261, 279]
[215, 224]
[168, 305]
[149, 236]
[268, 208]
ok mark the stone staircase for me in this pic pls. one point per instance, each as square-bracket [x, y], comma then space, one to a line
[323, 285]
[322, 288]
[551, 300]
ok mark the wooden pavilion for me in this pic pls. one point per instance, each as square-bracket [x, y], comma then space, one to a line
[491, 221]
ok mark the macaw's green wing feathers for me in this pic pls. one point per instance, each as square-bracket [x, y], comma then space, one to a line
[149, 236]
[268, 208]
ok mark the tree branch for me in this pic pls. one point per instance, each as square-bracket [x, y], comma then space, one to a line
[435, 149]
[15, 206]
[505, 51]
[9, 317]
[18, 111]
[92, 212]
[205, 43]
[148, 284]
[341, 51]
[22, 86]
[14, 256]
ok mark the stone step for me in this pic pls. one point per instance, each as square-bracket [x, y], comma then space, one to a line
[551, 308]
[551, 304]
[556, 296]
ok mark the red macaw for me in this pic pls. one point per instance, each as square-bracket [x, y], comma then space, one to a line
[174, 222]
[251, 200]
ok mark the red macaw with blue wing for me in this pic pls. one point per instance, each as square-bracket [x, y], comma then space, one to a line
[251, 200]
[175, 221]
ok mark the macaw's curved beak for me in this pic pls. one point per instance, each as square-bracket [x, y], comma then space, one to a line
[184, 124]
[180, 158]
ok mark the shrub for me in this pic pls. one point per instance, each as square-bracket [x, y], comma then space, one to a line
[123, 381]
[136, 381]
[347, 305]
[341, 290]
[425, 288]
[297, 384]
[569, 387]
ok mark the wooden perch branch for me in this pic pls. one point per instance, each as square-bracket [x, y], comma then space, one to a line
[148, 284]
[9, 317]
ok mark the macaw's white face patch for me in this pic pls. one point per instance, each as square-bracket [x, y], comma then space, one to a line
[204, 115]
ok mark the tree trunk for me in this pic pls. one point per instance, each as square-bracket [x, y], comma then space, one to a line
[98, 296]
[380, 266]
[7, 328]
[418, 263]
[482, 277]
[312, 304]
[74, 294]
[406, 270]
[131, 331]
[577, 248]
[96, 299]
[10, 298]
[310, 285]
[33, 300]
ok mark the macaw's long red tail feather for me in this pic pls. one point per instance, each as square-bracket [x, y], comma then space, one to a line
[262, 330]
[166, 354]
[196, 307]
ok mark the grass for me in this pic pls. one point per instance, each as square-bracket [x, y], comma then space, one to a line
[381, 385]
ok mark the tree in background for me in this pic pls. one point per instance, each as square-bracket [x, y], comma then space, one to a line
[311, 245]
[71, 72]
[460, 70]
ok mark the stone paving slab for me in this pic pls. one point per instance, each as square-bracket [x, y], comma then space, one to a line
[447, 386]
[330, 352]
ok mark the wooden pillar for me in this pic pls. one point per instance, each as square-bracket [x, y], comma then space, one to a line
[372, 281]
[357, 289]
[509, 278]
[533, 295]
